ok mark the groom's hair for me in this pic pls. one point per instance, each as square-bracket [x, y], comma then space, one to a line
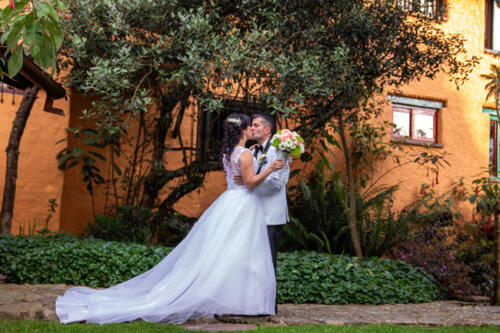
[268, 121]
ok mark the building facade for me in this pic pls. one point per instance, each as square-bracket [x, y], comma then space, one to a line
[431, 112]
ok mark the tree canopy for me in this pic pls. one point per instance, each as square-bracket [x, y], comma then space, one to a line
[306, 60]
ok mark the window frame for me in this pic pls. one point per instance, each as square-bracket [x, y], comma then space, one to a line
[494, 168]
[438, 8]
[207, 148]
[489, 25]
[496, 156]
[412, 110]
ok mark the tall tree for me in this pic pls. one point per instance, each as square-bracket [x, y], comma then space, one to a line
[9, 190]
[33, 26]
[309, 61]
[144, 61]
[335, 57]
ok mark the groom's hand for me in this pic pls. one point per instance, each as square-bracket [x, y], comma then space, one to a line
[238, 179]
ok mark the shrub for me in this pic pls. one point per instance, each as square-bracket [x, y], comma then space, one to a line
[432, 248]
[318, 206]
[438, 260]
[126, 224]
[171, 230]
[302, 276]
[319, 216]
[457, 252]
[310, 277]
[90, 262]
[474, 242]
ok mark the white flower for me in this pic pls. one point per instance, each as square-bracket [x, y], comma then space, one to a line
[288, 141]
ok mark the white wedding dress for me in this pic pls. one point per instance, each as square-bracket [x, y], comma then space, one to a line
[223, 266]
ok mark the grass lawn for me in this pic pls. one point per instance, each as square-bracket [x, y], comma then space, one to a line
[26, 326]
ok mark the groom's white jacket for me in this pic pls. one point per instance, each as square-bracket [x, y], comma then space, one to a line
[273, 189]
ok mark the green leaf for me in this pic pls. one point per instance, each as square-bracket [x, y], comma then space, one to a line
[63, 159]
[32, 37]
[77, 152]
[72, 164]
[50, 12]
[56, 33]
[99, 156]
[46, 57]
[62, 140]
[89, 131]
[15, 61]
[6, 12]
[14, 33]
[117, 169]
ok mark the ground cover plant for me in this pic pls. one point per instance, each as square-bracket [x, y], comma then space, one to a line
[35, 326]
[310, 277]
[302, 276]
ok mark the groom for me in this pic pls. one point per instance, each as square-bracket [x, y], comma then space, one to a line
[273, 190]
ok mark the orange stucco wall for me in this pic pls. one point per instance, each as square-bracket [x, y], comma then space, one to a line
[76, 210]
[463, 130]
[38, 178]
[462, 127]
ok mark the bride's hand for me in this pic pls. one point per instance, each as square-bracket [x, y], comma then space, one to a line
[277, 164]
[238, 179]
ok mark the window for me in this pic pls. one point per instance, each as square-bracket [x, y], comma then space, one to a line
[211, 131]
[492, 28]
[493, 148]
[430, 8]
[493, 143]
[415, 120]
[415, 124]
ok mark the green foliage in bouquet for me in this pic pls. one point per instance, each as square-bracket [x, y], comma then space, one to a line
[297, 145]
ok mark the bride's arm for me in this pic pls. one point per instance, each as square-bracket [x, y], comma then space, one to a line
[250, 179]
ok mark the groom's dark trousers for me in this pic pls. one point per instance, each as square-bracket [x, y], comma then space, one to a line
[274, 234]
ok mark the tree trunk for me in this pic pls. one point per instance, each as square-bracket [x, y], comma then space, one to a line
[352, 194]
[496, 296]
[12, 150]
[151, 185]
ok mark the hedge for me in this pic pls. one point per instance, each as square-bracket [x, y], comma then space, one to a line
[309, 277]
[303, 277]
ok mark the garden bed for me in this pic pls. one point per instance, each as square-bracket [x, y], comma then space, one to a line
[303, 277]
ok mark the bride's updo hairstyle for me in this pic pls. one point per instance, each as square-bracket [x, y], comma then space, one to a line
[233, 125]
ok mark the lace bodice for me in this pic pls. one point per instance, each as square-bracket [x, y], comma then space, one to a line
[233, 168]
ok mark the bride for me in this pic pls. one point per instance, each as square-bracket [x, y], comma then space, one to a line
[223, 266]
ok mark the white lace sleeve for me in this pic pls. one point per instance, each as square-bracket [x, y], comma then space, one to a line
[237, 156]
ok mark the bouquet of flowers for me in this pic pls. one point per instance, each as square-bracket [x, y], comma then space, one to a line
[289, 142]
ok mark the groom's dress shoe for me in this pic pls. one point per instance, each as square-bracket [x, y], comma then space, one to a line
[242, 319]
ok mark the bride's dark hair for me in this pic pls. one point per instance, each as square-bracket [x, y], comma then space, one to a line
[233, 125]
